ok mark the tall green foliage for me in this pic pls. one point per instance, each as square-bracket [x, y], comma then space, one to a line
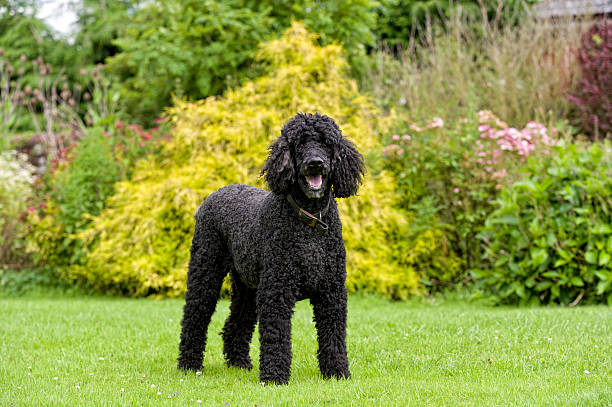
[187, 48]
[139, 245]
[399, 22]
[99, 23]
[194, 49]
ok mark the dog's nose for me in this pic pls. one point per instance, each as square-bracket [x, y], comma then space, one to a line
[315, 162]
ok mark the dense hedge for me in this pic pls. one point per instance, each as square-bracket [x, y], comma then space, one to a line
[139, 245]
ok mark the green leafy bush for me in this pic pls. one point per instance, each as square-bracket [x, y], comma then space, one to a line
[549, 239]
[15, 189]
[449, 176]
[139, 245]
[184, 47]
[194, 49]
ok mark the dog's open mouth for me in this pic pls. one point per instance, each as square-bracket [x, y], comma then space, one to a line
[314, 181]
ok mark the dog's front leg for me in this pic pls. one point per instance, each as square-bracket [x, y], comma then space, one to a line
[275, 303]
[329, 310]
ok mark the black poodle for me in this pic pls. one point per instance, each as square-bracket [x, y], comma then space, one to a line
[279, 248]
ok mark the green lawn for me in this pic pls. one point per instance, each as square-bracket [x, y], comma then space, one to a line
[110, 351]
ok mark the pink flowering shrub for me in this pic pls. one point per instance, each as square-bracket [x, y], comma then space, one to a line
[75, 189]
[450, 176]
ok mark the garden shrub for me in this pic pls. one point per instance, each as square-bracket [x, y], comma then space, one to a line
[549, 239]
[15, 188]
[195, 49]
[79, 182]
[139, 245]
[592, 96]
[77, 186]
[449, 176]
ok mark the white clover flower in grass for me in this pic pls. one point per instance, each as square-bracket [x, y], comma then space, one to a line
[152, 386]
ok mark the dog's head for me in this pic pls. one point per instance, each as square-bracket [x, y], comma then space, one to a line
[312, 154]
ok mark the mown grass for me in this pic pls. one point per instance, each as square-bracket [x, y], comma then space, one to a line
[111, 351]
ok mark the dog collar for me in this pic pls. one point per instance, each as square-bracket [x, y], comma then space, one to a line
[308, 218]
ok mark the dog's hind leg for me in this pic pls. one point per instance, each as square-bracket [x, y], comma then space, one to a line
[239, 326]
[209, 264]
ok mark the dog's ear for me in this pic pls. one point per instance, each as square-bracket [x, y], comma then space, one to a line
[347, 169]
[278, 170]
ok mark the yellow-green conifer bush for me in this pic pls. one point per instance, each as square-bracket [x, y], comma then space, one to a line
[140, 244]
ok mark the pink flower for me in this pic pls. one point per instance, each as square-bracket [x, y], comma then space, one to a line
[406, 137]
[140, 144]
[395, 137]
[500, 174]
[483, 127]
[456, 190]
[106, 134]
[119, 124]
[134, 127]
[146, 136]
[435, 123]
[31, 209]
[400, 151]
[160, 119]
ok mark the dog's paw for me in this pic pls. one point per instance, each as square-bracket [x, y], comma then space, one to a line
[240, 364]
[273, 381]
[340, 374]
[190, 365]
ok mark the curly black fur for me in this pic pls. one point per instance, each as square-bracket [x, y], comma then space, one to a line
[273, 258]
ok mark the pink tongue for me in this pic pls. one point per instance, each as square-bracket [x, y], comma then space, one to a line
[314, 180]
